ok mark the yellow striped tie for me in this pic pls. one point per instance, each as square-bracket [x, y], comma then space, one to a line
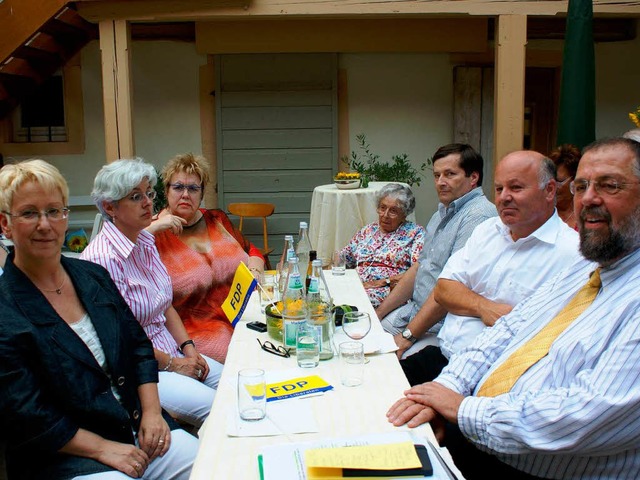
[506, 375]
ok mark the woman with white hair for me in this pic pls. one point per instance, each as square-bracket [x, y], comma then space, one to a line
[382, 251]
[123, 192]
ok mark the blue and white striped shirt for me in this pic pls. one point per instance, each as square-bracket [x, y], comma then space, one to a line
[576, 412]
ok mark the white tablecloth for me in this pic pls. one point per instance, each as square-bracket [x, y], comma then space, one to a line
[344, 411]
[337, 215]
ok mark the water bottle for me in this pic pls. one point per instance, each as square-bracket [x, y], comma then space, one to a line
[288, 252]
[312, 256]
[303, 248]
[294, 308]
[320, 307]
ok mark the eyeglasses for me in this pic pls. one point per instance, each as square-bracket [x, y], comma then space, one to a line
[603, 187]
[562, 183]
[391, 212]
[181, 187]
[137, 197]
[33, 216]
[271, 348]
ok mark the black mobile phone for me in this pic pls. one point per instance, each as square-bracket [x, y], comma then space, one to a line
[257, 326]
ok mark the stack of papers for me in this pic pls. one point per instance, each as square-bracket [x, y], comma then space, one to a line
[289, 461]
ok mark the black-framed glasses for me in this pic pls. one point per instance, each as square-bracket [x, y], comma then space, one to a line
[606, 186]
[271, 348]
[181, 187]
[33, 216]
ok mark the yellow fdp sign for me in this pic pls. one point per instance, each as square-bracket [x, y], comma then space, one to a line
[241, 288]
[296, 387]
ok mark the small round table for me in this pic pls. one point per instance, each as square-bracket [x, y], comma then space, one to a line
[337, 215]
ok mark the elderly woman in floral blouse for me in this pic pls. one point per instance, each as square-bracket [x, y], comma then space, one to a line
[382, 251]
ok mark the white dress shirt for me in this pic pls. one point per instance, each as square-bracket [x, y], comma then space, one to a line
[575, 414]
[500, 269]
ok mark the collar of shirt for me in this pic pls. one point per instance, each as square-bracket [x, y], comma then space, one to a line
[121, 243]
[458, 203]
[619, 268]
[548, 232]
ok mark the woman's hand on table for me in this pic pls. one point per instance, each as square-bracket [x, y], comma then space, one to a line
[154, 436]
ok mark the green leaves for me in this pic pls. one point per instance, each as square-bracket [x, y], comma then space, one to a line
[368, 165]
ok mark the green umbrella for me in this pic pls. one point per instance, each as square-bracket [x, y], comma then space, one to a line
[577, 116]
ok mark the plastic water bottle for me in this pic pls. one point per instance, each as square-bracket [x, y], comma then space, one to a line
[320, 307]
[303, 248]
[294, 309]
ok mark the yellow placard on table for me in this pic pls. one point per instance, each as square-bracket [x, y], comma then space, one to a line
[326, 463]
[296, 387]
[244, 283]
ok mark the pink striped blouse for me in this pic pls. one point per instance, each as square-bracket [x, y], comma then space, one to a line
[140, 276]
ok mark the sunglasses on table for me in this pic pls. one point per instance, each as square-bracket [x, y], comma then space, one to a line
[271, 348]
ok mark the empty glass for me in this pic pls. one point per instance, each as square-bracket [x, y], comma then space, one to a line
[338, 265]
[307, 345]
[351, 363]
[252, 394]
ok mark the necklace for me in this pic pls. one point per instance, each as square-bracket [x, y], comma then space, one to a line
[194, 223]
[57, 290]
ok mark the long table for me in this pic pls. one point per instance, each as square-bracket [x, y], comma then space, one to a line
[344, 411]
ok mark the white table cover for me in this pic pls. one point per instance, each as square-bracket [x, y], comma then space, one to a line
[337, 215]
[344, 411]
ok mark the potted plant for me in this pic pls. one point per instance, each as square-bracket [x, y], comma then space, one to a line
[372, 169]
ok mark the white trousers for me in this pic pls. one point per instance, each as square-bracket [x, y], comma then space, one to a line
[187, 399]
[174, 465]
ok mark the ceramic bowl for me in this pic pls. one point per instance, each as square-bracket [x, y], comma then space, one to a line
[347, 184]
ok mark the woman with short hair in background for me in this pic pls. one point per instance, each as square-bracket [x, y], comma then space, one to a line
[382, 251]
[566, 158]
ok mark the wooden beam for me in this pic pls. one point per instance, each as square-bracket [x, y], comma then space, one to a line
[342, 35]
[184, 10]
[20, 19]
[207, 86]
[115, 40]
[511, 40]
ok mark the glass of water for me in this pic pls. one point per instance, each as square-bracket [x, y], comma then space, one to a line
[338, 265]
[307, 345]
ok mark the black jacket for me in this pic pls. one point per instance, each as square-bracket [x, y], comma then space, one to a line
[50, 383]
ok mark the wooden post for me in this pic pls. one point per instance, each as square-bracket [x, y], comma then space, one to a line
[511, 40]
[208, 129]
[115, 41]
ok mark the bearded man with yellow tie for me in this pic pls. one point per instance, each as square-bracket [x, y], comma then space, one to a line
[552, 390]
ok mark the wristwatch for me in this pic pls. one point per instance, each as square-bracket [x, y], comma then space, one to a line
[387, 281]
[407, 335]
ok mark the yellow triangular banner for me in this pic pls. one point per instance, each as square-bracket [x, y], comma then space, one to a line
[241, 288]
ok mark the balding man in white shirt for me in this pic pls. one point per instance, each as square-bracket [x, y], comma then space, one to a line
[504, 261]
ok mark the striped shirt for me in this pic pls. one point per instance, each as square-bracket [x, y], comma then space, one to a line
[141, 278]
[576, 412]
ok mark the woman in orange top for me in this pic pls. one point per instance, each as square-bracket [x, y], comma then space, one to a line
[201, 250]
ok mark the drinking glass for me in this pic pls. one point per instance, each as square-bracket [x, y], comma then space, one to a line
[338, 265]
[356, 325]
[252, 394]
[268, 290]
[351, 363]
[307, 346]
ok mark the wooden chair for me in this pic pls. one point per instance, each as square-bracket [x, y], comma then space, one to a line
[255, 210]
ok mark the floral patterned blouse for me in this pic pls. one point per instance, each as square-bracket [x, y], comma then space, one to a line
[377, 254]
